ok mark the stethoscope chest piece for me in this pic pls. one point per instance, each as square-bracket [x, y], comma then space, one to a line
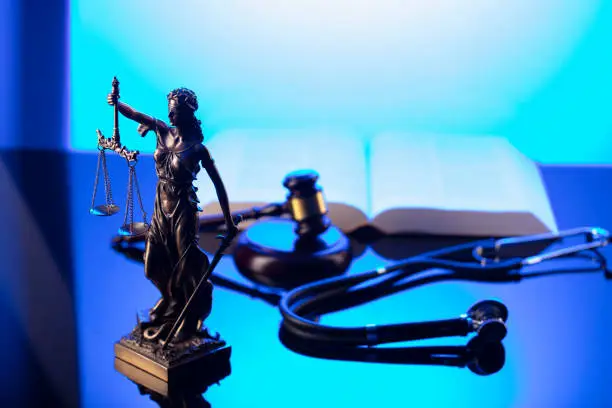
[271, 253]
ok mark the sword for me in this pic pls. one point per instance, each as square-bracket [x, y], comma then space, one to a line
[225, 243]
[115, 92]
[114, 142]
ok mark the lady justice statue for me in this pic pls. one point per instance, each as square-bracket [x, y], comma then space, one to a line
[173, 260]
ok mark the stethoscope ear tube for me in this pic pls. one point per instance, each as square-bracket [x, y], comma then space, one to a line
[373, 335]
[301, 307]
[481, 356]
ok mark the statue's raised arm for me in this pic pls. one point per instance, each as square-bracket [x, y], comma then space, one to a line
[146, 122]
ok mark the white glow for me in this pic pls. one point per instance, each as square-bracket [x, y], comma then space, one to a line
[442, 65]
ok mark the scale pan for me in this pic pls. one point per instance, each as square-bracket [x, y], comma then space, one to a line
[133, 230]
[104, 210]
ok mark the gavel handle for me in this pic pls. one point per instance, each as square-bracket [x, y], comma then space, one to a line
[212, 222]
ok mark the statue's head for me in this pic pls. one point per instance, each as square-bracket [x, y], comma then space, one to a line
[182, 104]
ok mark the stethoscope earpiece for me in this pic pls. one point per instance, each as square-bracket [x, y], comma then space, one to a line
[485, 357]
[488, 319]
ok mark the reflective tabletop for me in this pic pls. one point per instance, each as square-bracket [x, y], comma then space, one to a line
[554, 355]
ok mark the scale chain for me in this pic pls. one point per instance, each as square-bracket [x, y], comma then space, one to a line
[93, 198]
[144, 213]
[107, 181]
[132, 200]
[129, 214]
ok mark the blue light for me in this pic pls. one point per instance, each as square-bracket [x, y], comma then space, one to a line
[9, 24]
[537, 73]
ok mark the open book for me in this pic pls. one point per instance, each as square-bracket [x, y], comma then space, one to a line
[399, 183]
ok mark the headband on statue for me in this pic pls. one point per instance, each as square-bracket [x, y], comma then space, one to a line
[184, 97]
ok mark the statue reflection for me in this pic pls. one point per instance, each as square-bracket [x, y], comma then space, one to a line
[186, 400]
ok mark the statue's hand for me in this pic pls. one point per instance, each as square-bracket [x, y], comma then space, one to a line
[143, 129]
[232, 230]
[111, 99]
[238, 219]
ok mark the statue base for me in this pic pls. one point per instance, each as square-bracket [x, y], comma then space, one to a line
[178, 362]
[195, 384]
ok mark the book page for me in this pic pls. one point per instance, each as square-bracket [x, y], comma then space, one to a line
[404, 172]
[479, 174]
[535, 195]
[254, 163]
[457, 184]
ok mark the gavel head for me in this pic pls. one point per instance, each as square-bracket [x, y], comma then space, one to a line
[306, 204]
[489, 320]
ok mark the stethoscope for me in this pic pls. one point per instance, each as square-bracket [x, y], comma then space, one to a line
[493, 261]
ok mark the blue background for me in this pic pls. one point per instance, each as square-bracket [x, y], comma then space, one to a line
[36, 275]
[535, 72]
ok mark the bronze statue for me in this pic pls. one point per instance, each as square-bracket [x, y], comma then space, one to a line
[173, 260]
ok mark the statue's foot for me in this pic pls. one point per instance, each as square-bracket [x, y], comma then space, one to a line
[185, 333]
[205, 333]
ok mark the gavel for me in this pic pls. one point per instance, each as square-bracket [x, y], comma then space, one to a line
[305, 205]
